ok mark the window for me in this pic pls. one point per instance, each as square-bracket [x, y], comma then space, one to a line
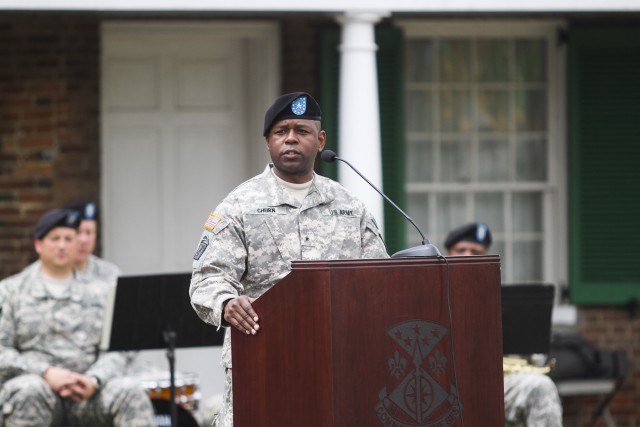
[484, 113]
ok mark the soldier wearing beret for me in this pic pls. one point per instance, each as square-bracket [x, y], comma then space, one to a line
[530, 399]
[87, 264]
[469, 239]
[286, 213]
[52, 372]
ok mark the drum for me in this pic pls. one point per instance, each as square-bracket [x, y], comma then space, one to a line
[187, 388]
[162, 408]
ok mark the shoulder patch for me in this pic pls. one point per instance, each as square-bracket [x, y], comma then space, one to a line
[212, 221]
[202, 246]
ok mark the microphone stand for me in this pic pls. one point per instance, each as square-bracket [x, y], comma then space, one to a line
[424, 250]
[170, 336]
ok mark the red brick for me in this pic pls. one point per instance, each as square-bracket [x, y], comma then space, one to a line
[37, 142]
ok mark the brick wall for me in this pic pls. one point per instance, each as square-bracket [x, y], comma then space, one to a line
[49, 132]
[300, 47]
[613, 329]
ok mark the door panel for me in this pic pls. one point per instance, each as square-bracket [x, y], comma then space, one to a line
[174, 139]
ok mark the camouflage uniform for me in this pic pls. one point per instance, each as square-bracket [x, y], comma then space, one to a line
[96, 269]
[258, 229]
[38, 330]
[531, 400]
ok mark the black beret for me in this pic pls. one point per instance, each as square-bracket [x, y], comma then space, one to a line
[88, 210]
[476, 232]
[56, 218]
[296, 105]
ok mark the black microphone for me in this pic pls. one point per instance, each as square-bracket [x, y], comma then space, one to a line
[426, 249]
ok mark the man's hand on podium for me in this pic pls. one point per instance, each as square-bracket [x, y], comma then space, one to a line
[239, 313]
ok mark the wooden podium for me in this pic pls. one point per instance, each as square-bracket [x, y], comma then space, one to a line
[393, 342]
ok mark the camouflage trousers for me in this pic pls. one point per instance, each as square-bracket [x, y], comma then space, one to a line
[27, 400]
[225, 416]
[531, 400]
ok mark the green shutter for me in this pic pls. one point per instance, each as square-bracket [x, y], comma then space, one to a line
[604, 139]
[390, 88]
[329, 76]
[390, 61]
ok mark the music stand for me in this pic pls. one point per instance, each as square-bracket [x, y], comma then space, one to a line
[151, 312]
[526, 318]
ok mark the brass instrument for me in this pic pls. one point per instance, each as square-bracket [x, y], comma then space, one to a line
[512, 365]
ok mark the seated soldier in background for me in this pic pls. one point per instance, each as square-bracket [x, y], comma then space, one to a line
[91, 267]
[51, 369]
[530, 398]
[88, 265]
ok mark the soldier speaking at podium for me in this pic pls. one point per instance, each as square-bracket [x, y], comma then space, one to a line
[286, 213]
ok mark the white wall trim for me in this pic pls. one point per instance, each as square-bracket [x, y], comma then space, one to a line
[328, 5]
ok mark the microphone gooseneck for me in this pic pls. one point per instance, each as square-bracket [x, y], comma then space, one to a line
[426, 249]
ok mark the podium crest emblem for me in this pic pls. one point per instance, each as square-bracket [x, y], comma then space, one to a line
[420, 389]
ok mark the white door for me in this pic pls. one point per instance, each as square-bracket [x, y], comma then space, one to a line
[182, 111]
[180, 130]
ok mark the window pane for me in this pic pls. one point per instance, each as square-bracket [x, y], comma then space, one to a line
[493, 60]
[419, 112]
[455, 163]
[531, 60]
[455, 110]
[527, 212]
[418, 206]
[493, 110]
[527, 262]
[531, 110]
[493, 160]
[497, 248]
[419, 161]
[419, 60]
[451, 209]
[490, 210]
[455, 60]
[531, 158]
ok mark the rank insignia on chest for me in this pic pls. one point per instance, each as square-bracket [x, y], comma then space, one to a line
[212, 221]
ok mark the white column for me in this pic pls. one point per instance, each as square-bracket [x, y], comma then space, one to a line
[359, 116]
